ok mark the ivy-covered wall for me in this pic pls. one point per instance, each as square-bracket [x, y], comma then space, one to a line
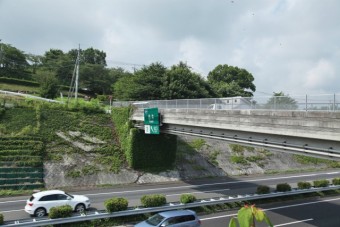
[152, 152]
[143, 152]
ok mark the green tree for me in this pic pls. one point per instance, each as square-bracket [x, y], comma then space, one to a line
[95, 78]
[126, 88]
[48, 86]
[280, 101]
[230, 81]
[150, 80]
[59, 63]
[13, 62]
[144, 84]
[181, 83]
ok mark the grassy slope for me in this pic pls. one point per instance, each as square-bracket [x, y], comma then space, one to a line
[46, 123]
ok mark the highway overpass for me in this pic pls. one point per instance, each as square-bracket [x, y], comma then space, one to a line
[312, 132]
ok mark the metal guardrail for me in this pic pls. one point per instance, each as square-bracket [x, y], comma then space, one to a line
[28, 96]
[170, 206]
[322, 102]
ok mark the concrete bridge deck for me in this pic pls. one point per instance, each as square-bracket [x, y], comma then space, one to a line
[308, 130]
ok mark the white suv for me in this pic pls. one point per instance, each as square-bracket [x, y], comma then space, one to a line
[40, 203]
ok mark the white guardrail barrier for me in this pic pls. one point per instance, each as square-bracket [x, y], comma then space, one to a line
[170, 206]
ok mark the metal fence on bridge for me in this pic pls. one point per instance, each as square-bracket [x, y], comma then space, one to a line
[325, 102]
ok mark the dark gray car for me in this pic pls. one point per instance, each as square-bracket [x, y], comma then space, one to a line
[175, 218]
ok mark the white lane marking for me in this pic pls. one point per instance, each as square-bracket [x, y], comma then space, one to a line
[294, 222]
[332, 173]
[199, 192]
[7, 211]
[274, 208]
[210, 184]
[302, 204]
[14, 201]
[200, 185]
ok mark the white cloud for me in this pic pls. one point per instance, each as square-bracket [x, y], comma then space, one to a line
[323, 74]
[287, 45]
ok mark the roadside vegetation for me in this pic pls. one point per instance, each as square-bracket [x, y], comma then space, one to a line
[116, 204]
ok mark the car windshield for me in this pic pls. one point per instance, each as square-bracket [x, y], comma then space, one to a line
[69, 195]
[32, 198]
[155, 220]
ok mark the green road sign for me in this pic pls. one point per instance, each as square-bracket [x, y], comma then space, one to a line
[151, 129]
[151, 116]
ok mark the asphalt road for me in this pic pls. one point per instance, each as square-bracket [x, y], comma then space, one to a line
[12, 207]
[310, 213]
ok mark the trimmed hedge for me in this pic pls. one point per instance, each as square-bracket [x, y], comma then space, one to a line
[321, 183]
[187, 198]
[284, 187]
[304, 185]
[60, 212]
[153, 200]
[262, 189]
[116, 204]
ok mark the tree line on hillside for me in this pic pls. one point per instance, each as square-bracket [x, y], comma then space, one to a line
[55, 68]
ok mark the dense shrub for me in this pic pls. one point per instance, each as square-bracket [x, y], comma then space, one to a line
[321, 183]
[262, 189]
[336, 181]
[284, 187]
[187, 198]
[153, 200]
[60, 212]
[304, 185]
[1, 219]
[116, 204]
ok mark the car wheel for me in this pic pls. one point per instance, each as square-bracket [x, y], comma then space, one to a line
[80, 208]
[40, 212]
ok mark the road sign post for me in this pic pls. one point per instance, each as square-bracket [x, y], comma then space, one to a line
[151, 121]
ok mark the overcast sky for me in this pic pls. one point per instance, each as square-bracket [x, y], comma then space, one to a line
[287, 45]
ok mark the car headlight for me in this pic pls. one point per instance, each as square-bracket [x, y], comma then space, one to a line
[87, 201]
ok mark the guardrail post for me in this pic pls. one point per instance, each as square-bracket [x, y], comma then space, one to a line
[306, 102]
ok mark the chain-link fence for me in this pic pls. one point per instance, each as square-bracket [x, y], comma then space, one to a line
[326, 102]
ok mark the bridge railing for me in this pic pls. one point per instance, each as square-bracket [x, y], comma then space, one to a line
[324, 102]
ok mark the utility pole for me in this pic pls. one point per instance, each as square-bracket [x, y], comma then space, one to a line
[77, 74]
[75, 79]
[1, 54]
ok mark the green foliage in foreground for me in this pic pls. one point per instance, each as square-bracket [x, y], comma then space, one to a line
[248, 215]
[1, 219]
[116, 204]
[60, 212]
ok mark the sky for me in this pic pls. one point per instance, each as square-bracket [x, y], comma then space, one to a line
[291, 46]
